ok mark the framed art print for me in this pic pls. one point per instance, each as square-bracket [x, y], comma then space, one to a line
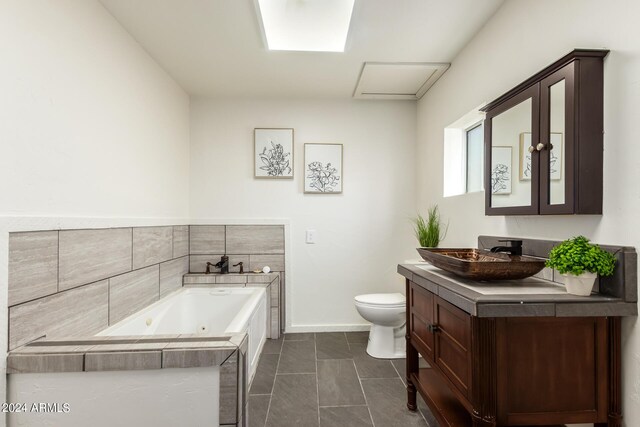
[273, 153]
[323, 168]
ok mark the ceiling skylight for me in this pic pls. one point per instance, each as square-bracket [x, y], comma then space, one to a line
[306, 25]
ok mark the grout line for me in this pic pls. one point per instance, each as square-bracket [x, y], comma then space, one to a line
[58, 283]
[273, 387]
[360, 382]
[343, 406]
[315, 354]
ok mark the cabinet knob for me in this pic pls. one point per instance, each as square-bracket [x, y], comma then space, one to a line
[532, 148]
[540, 147]
[433, 328]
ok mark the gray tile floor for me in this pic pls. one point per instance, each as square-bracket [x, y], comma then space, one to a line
[328, 380]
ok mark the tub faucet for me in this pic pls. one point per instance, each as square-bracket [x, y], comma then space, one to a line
[515, 247]
[223, 264]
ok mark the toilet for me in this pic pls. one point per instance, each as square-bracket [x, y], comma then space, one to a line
[387, 314]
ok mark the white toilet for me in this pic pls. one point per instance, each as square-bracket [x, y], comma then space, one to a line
[387, 314]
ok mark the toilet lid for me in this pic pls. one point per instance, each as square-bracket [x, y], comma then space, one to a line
[382, 299]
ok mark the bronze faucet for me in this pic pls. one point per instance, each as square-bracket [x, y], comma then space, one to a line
[223, 265]
[515, 247]
[241, 268]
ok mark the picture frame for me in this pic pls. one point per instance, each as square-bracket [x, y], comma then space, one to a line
[556, 154]
[501, 170]
[273, 153]
[323, 169]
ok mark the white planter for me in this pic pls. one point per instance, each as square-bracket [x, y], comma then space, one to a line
[580, 285]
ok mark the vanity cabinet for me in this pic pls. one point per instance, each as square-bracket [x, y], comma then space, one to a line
[544, 141]
[511, 371]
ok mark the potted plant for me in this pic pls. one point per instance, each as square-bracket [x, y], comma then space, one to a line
[430, 232]
[580, 262]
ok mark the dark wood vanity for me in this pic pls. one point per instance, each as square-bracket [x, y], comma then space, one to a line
[509, 359]
[544, 141]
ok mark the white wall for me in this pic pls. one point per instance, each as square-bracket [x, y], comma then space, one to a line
[93, 133]
[522, 38]
[362, 233]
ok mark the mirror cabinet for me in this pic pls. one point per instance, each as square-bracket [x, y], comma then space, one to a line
[544, 142]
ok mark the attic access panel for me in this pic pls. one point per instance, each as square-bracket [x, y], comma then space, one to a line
[400, 80]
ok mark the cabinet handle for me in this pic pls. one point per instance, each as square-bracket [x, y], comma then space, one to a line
[433, 328]
[540, 146]
[532, 148]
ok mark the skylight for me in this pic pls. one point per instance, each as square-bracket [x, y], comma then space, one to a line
[306, 25]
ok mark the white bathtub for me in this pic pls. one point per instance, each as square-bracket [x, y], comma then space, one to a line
[160, 397]
[210, 311]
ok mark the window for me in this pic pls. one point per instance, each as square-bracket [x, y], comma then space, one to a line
[475, 158]
[464, 155]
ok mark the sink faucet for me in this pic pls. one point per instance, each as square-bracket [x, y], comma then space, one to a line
[515, 247]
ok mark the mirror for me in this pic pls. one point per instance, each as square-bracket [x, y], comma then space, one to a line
[556, 138]
[511, 170]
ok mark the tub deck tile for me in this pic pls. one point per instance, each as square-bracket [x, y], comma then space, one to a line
[42, 363]
[196, 357]
[123, 361]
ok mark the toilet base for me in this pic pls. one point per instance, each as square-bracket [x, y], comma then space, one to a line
[386, 342]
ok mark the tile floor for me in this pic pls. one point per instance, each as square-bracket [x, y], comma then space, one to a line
[328, 380]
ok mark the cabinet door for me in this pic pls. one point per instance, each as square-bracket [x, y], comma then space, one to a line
[453, 344]
[421, 317]
[557, 142]
[511, 162]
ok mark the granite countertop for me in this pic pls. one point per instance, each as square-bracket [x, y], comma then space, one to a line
[108, 353]
[513, 298]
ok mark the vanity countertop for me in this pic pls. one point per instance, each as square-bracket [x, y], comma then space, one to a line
[513, 298]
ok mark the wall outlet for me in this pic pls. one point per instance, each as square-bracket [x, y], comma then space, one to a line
[311, 237]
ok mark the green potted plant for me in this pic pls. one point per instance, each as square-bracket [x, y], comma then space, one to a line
[580, 262]
[430, 232]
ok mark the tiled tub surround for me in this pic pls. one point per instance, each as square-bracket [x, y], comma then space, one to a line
[271, 281]
[50, 362]
[254, 245]
[77, 282]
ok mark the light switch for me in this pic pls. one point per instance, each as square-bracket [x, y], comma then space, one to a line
[311, 236]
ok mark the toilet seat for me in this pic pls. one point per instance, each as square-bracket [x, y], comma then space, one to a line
[391, 300]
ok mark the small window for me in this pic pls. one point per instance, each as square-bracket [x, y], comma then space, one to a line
[464, 155]
[475, 158]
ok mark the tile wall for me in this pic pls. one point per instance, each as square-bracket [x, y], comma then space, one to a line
[77, 282]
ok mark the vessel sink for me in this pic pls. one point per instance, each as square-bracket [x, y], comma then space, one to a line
[478, 264]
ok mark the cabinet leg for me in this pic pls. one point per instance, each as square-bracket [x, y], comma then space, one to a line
[412, 367]
[412, 356]
[411, 396]
[615, 386]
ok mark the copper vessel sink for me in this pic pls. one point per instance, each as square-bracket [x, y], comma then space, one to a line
[477, 264]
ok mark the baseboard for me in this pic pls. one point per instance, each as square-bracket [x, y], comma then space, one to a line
[328, 328]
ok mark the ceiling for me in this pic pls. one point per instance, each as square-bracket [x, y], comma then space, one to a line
[216, 48]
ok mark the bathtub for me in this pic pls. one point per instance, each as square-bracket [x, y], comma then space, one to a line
[158, 397]
[208, 311]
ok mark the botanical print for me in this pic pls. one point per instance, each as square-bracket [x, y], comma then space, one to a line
[276, 161]
[322, 178]
[273, 153]
[323, 168]
[501, 170]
